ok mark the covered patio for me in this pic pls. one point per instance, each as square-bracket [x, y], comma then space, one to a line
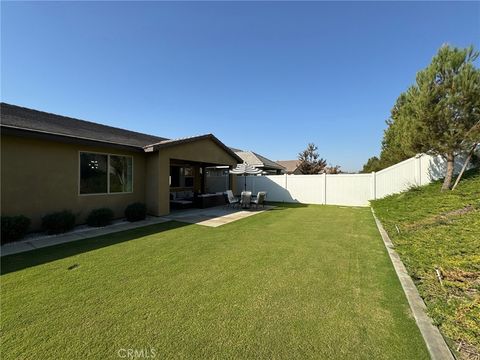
[189, 188]
[176, 172]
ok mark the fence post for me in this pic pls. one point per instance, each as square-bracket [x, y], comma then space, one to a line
[373, 185]
[324, 188]
[286, 182]
[418, 169]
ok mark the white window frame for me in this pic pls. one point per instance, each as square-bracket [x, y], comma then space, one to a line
[108, 173]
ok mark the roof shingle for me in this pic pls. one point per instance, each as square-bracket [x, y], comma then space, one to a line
[18, 117]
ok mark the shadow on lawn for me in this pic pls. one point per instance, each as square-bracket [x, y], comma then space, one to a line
[284, 205]
[16, 262]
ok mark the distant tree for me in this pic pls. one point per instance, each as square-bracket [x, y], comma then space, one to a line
[333, 169]
[372, 164]
[310, 161]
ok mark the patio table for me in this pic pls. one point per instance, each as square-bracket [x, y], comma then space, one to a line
[246, 200]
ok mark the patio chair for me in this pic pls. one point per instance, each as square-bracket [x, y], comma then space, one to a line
[231, 200]
[245, 198]
[260, 200]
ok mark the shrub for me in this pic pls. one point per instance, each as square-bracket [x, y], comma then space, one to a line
[58, 222]
[136, 212]
[14, 228]
[100, 217]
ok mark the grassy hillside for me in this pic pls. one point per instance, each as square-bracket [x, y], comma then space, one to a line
[434, 230]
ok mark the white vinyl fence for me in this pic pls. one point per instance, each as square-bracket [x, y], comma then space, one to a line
[348, 189]
[216, 183]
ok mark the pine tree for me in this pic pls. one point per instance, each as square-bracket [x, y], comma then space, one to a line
[310, 161]
[439, 114]
[448, 105]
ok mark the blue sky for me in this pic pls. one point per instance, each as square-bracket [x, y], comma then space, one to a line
[262, 76]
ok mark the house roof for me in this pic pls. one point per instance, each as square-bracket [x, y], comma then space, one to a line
[25, 119]
[235, 149]
[289, 165]
[21, 118]
[257, 160]
[173, 142]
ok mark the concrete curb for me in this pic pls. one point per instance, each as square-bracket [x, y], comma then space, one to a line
[435, 342]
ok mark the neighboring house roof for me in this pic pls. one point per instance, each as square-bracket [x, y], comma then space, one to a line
[24, 119]
[289, 165]
[257, 160]
[235, 149]
[21, 118]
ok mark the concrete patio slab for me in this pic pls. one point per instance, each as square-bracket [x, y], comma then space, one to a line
[215, 216]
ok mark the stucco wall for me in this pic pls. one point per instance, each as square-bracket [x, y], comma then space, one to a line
[152, 186]
[39, 177]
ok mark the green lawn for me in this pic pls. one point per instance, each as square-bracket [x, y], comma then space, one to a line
[295, 282]
[442, 231]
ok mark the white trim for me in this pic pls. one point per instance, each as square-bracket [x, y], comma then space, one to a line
[108, 173]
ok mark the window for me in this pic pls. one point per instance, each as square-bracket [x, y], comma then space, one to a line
[174, 176]
[93, 173]
[120, 174]
[188, 177]
[95, 179]
[181, 176]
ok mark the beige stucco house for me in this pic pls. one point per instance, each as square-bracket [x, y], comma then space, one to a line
[51, 163]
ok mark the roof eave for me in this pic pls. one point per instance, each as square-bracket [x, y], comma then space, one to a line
[169, 143]
[14, 130]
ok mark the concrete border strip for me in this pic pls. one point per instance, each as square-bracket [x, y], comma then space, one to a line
[435, 342]
[52, 240]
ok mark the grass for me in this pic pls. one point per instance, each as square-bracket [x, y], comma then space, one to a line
[441, 230]
[296, 282]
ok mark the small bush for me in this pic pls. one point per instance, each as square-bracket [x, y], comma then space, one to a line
[100, 217]
[58, 222]
[14, 228]
[136, 212]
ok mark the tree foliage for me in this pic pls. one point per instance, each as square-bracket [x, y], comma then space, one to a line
[439, 114]
[397, 144]
[372, 164]
[333, 169]
[310, 161]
